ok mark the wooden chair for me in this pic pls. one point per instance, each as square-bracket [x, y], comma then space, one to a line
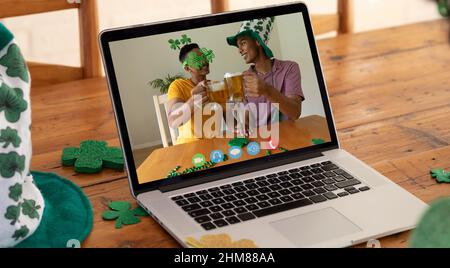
[159, 101]
[48, 74]
[341, 22]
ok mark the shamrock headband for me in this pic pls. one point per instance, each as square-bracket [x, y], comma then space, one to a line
[192, 59]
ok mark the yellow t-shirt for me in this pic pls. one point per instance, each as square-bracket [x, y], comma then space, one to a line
[181, 89]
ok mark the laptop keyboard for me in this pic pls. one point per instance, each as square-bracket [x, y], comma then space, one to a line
[266, 195]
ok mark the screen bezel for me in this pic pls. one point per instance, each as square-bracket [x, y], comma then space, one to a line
[225, 171]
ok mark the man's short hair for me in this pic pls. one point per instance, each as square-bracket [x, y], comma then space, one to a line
[185, 50]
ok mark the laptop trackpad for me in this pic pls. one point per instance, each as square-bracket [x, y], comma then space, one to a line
[314, 227]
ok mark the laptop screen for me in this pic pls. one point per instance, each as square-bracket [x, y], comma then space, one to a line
[208, 97]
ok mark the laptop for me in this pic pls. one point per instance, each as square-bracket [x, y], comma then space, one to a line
[281, 180]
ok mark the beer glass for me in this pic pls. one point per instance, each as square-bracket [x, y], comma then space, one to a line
[217, 91]
[235, 85]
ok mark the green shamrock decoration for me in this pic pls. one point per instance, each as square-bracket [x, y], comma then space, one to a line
[21, 233]
[193, 60]
[13, 213]
[15, 64]
[9, 136]
[240, 142]
[120, 211]
[208, 55]
[12, 102]
[10, 163]
[174, 44]
[174, 172]
[92, 156]
[440, 175]
[317, 141]
[185, 39]
[30, 209]
[15, 192]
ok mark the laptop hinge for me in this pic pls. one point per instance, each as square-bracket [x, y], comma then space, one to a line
[236, 172]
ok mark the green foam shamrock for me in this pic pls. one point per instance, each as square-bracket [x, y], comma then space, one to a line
[10, 163]
[240, 142]
[15, 64]
[433, 229]
[440, 175]
[12, 102]
[9, 136]
[120, 211]
[92, 156]
[317, 141]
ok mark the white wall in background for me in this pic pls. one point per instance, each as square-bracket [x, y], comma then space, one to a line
[53, 37]
[140, 60]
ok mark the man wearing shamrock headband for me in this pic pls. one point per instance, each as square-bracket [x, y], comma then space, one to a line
[268, 80]
[185, 94]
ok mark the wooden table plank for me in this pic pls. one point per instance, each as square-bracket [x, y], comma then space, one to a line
[378, 91]
[65, 114]
[382, 42]
[398, 136]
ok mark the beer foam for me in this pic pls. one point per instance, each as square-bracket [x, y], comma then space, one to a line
[216, 86]
[229, 75]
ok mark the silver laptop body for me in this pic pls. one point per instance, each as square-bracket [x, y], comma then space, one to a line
[378, 208]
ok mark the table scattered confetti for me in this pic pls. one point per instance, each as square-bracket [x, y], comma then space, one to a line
[219, 241]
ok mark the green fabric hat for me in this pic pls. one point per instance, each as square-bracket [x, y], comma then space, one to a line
[258, 29]
[36, 209]
[67, 215]
[433, 229]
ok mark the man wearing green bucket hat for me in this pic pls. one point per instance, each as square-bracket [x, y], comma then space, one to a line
[268, 80]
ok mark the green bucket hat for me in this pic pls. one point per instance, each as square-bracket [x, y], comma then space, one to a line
[258, 29]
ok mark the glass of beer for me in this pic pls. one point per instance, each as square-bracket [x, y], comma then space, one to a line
[235, 85]
[217, 91]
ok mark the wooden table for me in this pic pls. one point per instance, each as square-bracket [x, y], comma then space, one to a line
[293, 135]
[389, 89]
